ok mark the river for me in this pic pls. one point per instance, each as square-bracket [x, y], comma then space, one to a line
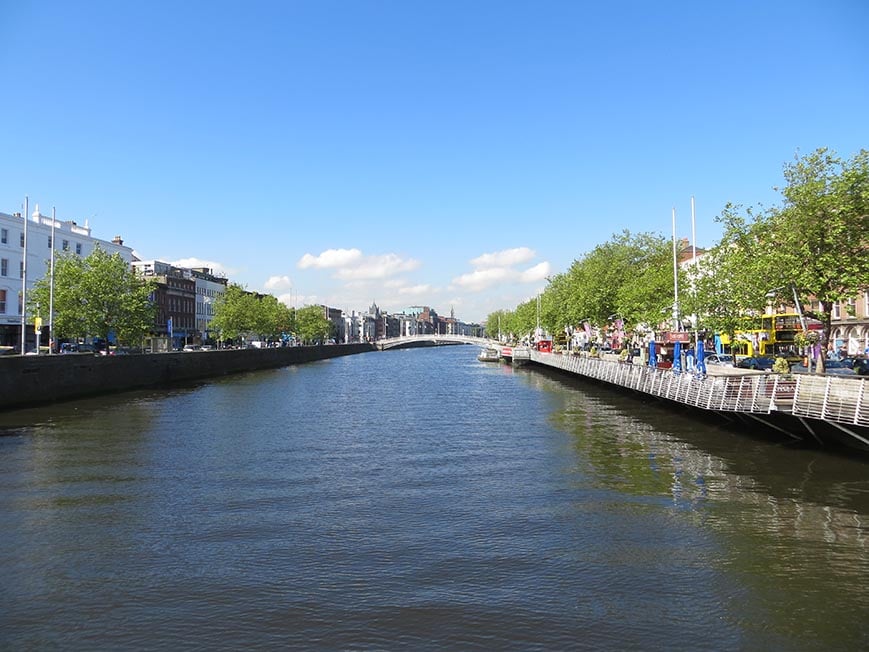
[420, 500]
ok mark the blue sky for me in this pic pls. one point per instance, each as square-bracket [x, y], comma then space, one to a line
[450, 154]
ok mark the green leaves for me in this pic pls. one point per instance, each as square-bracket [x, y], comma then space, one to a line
[816, 242]
[241, 313]
[96, 296]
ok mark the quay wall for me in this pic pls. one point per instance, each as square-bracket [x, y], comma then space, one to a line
[33, 380]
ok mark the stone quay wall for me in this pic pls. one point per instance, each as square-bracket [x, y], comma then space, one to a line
[34, 380]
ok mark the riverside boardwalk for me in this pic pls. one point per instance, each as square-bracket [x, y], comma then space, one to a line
[815, 408]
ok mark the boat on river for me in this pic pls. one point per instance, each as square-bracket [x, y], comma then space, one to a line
[489, 354]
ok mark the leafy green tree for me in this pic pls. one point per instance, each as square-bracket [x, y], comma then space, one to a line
[820, 238]
[816, 244]
[234, 313]
[312, 325]
[96, 296]
[241, 313]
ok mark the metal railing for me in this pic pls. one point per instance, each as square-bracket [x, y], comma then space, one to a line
[837, 399]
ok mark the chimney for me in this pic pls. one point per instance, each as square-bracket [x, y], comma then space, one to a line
[117, 240]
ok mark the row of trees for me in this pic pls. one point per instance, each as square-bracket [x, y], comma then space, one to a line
[240, 313]
[814, 243]
[101, 296]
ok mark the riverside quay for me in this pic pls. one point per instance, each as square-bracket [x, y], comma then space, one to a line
[814, 409]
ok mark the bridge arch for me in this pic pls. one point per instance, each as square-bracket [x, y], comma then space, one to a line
[430, 340]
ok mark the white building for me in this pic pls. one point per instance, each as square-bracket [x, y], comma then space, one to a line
[209, 288]
[30, 254]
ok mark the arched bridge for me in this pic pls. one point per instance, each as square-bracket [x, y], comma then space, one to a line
[430, 340]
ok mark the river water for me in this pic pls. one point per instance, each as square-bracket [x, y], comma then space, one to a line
[420, 500]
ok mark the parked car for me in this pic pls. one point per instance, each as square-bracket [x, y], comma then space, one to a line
[191, 348]
[756, 362]
[719, 359]
[859, 364]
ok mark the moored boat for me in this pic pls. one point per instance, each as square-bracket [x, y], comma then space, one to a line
[489, 354]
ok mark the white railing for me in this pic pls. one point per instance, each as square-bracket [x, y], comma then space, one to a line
[390, 342]
[842, 400]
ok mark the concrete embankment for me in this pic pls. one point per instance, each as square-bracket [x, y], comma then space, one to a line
[33, 380]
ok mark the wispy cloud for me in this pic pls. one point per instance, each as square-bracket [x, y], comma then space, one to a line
[505, 258]
[278, 283]
[536, 273]
[330, 258]
[216, 268]
[481, 279]
[499, 268]
[352, 265]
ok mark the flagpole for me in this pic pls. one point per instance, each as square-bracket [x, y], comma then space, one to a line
[51, 289]
[675, 279]
[694, 263]
[24, 281]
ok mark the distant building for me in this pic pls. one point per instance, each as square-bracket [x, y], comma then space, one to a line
[209, 289]
[175, 300]
[68, 237]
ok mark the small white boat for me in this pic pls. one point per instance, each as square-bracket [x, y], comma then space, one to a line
[489, 354]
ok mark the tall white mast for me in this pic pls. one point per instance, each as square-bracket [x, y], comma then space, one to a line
[51, 290]
[693, 235]
[675, 278]
[24, 280]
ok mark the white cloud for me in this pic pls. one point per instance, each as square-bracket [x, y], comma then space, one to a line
[218, 269]
[278, 283]
[481, 279]
[352, 265]
[536, 273]
[505, 258]
[498, 268]
[376, 267]
[330, 258]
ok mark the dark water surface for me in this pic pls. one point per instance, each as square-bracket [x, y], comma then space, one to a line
[414, 500]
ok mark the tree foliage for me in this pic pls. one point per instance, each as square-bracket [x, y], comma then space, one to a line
[312, 325]
[239, 313]
[816, 243]
[97, 296]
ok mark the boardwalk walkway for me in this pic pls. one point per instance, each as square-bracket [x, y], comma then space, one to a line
[800, 406]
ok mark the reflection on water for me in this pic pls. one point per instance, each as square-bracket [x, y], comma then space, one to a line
[420, 499]
[788, 516]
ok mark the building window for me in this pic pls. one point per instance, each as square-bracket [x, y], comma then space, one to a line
[866, 304]
[21, 269]
[65, 245]
[78, 248]
[2, 302]
[21, 239]
[4, 236]
[49, 242]
[852, 308]
[4, 267]
[837, 310]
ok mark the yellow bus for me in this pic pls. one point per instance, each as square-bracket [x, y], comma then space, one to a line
[769, 336]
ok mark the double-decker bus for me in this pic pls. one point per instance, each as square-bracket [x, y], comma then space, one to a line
[770, 336]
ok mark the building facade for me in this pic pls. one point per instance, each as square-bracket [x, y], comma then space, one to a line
[175, 301]
[26, 250]
[209, 290]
